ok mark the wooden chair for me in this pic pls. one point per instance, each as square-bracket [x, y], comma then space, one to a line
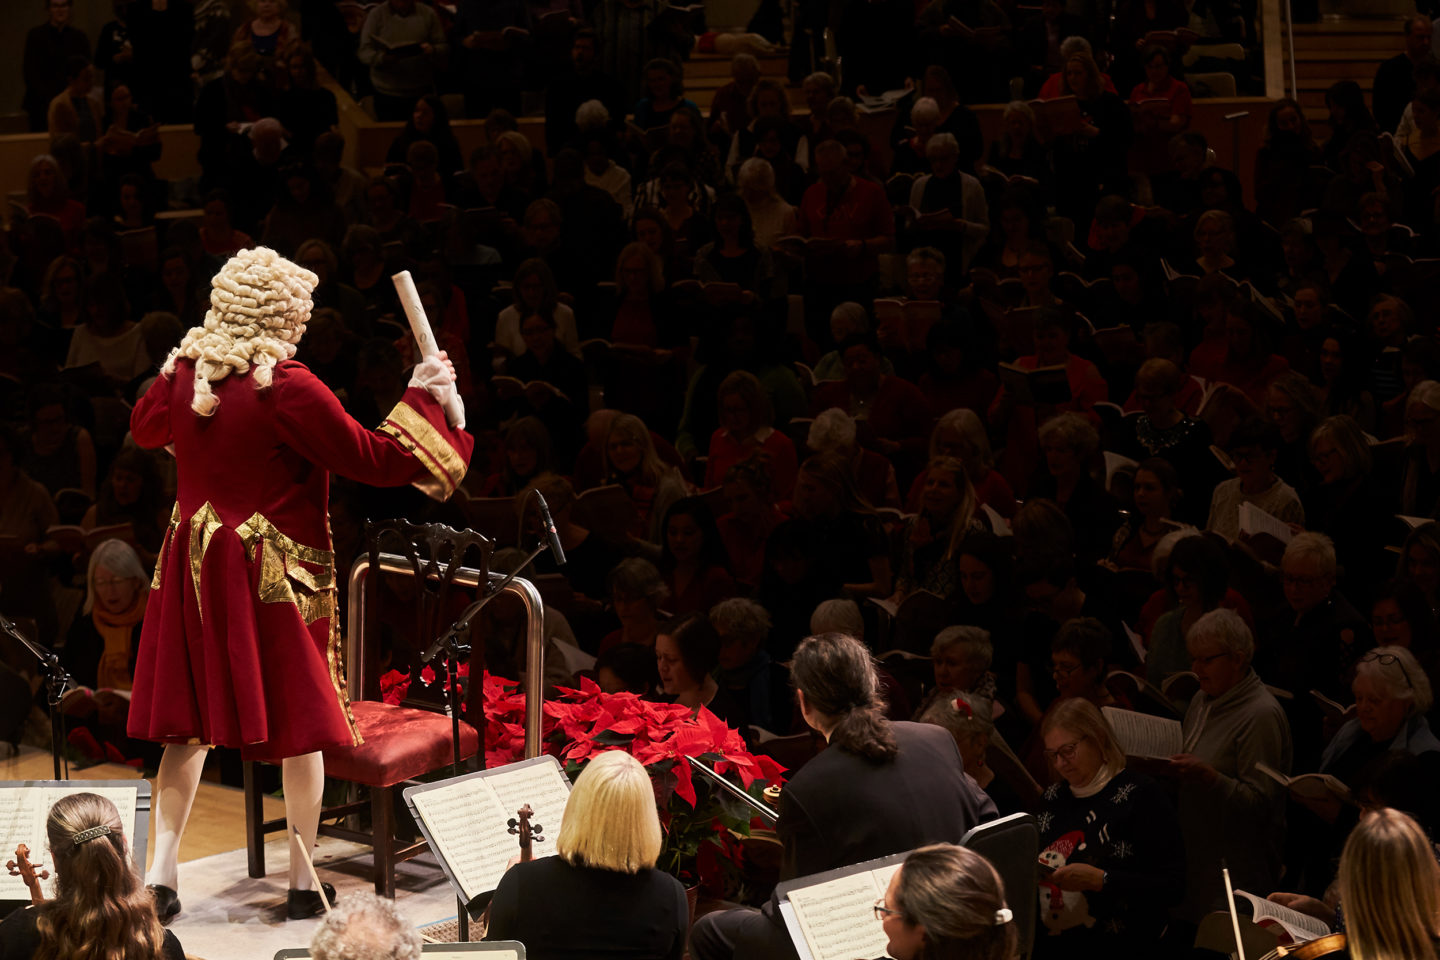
[404, 741]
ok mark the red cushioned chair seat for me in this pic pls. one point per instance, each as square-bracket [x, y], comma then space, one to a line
[401, 743]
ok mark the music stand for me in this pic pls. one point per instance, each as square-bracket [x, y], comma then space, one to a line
[56, 680]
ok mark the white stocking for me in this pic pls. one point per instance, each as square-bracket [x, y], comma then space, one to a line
[304, 787]
[176, 783]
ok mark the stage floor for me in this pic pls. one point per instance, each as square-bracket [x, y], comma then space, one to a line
[229, 916]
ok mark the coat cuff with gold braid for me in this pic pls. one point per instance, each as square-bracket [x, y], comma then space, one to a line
[428, 443]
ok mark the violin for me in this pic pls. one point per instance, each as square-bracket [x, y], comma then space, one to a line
[22, 867]
[1329, 945]
[529, 833]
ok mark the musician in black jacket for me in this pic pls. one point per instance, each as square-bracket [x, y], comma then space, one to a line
[879, 788]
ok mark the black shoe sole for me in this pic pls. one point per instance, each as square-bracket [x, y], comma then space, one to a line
[167, 903]
[304, 904]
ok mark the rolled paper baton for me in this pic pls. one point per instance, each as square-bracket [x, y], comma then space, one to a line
[424, 336]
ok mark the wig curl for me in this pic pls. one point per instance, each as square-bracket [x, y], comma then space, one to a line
[259, 304]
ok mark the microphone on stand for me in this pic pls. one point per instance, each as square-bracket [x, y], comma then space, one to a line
[550, 532]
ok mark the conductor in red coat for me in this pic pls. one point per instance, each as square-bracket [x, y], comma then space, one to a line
[241, 645]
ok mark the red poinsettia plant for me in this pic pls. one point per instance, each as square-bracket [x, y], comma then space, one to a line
[701, 822]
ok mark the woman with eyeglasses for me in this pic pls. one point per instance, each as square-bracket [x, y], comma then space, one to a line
[1392, 695]
[1112, 862]
[947, 901]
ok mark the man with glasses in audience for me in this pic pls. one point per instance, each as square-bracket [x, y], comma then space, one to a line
[1230, 813]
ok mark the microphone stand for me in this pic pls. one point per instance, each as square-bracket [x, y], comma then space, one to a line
[56, 680]
[453, 644]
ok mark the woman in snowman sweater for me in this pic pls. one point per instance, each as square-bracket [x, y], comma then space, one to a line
[1112, 859]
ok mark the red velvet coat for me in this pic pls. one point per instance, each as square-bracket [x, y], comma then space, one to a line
[240, 645]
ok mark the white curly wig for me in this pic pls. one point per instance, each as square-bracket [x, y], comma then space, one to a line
[259, 304]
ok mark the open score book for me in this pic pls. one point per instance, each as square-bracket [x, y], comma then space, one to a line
[831, 916]
[466, 819]
[1142, 735]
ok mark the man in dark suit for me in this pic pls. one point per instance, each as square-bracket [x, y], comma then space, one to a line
[1395, 79]
[878, 788]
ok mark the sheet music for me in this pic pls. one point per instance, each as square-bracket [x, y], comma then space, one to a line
[541, 786]
[467, 819]
[467, 823]
[24, 812]
[1137, 642]
[837, 917]
[1142, 735]
[1300, 926]
[1253, 520]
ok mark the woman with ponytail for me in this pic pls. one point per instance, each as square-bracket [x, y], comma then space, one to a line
[947, 903]
[99, 911]
[881, 787]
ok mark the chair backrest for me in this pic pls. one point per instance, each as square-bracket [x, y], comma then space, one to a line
[433, 600]
[1012, 844]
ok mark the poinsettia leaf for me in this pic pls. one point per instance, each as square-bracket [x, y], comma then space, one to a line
[684, 784]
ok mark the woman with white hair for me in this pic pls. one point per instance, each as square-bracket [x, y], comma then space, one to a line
[1229, 812]
[950, 203]
[834, 431]
[846, 320]
[102, 644]
[961, 657]
[1392, 696]
[770, 216]
[602, 881]
[910, 152]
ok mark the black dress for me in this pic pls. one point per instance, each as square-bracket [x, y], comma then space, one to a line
[561, 911]
[19, 939]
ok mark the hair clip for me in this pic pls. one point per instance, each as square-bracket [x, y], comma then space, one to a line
[101, 830]
[1003, 916]
[962, 706]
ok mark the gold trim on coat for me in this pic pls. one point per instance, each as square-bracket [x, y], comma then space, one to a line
[420, 438]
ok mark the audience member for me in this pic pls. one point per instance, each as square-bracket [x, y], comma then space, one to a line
[363, 924]
[603, 872]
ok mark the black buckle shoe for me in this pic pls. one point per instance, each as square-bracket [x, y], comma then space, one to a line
[304, 904]
[167, 902]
